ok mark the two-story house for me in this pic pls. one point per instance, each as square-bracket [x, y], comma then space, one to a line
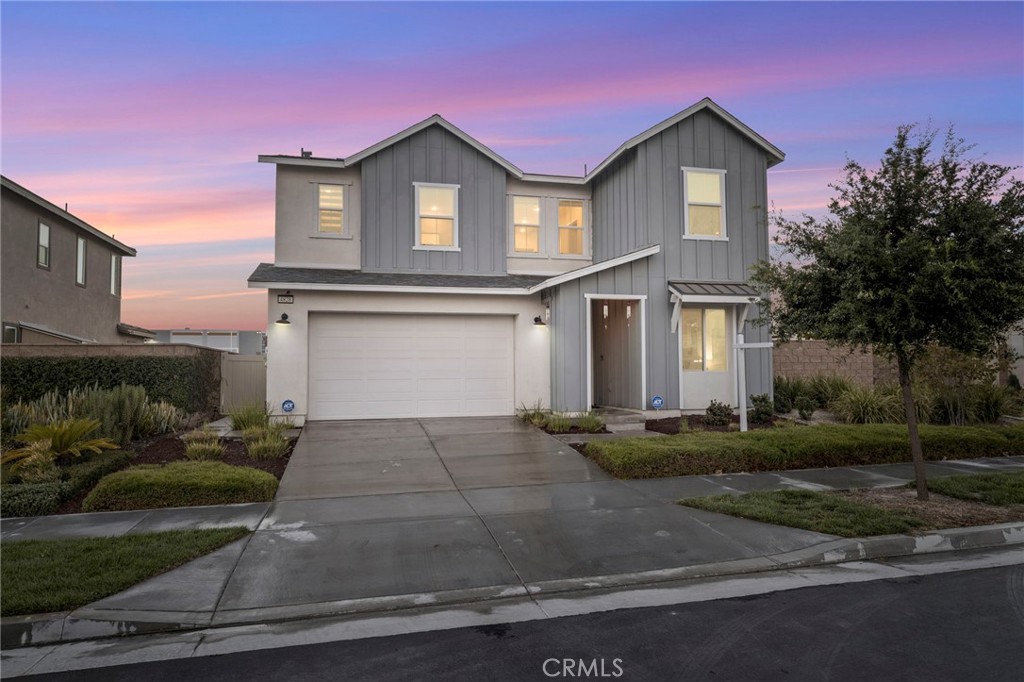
[61, 276]
[428, 276]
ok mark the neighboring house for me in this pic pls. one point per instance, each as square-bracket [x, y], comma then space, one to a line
[233, 341]
[428, 276]
[61, 276]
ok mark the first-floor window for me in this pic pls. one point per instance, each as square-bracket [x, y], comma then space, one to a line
[570, 227]
[704, 340]
[526, 224]
[80, 263]
[437, 217]
[11, 334]
[115, 274]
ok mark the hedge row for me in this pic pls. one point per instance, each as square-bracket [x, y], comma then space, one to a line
[189, 383]
[702, 453]
[40, 499]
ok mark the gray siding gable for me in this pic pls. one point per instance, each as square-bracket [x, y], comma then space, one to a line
[432, 155]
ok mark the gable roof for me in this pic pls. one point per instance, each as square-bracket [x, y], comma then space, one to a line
[9, 184]
[775, 155]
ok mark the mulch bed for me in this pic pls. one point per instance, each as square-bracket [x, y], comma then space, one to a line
[170, 448]
[670, 425]
[939, 511]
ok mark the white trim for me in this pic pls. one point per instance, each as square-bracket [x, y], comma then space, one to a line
[724, 236]
[318, 266]
[588, 299]
[541, 251]
[596, 267]
[416, 245]
[300, 161]
[383, 288]
[714, 298]
[554, 179]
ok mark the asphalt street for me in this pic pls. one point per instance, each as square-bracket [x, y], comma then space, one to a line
[954, 626]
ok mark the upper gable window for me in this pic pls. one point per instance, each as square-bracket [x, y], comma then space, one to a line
[115, 275]
[570, 227]
[331, 216]
[80, 260]
[43, 249]
[704, 194]
[526, 224]
[437, 216]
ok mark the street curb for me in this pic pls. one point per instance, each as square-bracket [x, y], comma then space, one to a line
[89, 624]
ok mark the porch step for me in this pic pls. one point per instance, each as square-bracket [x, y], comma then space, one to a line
[624, 428]
[619, 421]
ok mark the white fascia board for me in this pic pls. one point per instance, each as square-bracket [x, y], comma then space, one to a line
[554, 179]
[596, 267]
[302, 161]
[705, 103]
[731, 300]
[436, 119]
[381, 288]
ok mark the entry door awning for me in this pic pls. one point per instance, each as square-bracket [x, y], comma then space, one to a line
[728, 293]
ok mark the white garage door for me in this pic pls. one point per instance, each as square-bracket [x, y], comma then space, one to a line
[365, 366]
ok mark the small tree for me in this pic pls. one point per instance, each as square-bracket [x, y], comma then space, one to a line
[922, 251]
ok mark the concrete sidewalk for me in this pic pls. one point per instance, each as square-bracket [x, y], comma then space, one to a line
[374, 516]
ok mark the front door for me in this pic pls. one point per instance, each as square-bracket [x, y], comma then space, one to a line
[706, 357]
[617, 352]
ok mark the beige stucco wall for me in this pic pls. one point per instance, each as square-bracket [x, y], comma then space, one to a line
[51, 298]
[297, 241]
[548, 262]
[805, 359]
[288, 345]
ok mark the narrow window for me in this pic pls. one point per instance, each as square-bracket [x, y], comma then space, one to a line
[43, 252]
[11, 334]
[526, 224]
[115, 275]
[437, 219]
[80, 263]
[705, 211]
[570, 227]
[332, 209]
[704, 340]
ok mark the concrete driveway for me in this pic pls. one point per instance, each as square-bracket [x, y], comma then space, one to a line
[485, 506]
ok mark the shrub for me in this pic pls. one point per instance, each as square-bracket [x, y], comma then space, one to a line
[590, 422]
[38, 499]
[61, 439]
[1013, 383]
[787, 391]
[204, 450]
[556, 423]
[532, 414]
[180, 484]
[270, 446]
[868, 406]
[989, 402]
[718, 414]
[797, 448]
[826, 389]
[805, 406]
[763, 409]
[83, 475]
[122, 411]
[249, 416]
[203, 435]
[38, 466]
[16, 418]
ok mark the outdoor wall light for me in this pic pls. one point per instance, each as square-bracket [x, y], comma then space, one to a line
[284, 319]
[539, 322]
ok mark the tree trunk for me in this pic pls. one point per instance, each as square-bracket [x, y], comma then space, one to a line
[916, 453]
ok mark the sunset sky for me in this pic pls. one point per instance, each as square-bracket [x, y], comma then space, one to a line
[147, 118]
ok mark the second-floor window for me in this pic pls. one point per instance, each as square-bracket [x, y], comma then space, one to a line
[331, 217]
[43, 249]
[526, 224]
[80, 263]
[437, 216]
[115, 275]
[704, 194]
[570, 227]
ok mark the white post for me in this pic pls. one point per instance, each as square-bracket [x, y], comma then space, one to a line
[741, 380]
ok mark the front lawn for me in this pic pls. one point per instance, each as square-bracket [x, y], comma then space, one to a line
[41, 576]
[180, 484]
[778, 449]
[819, 512]
[998, 489]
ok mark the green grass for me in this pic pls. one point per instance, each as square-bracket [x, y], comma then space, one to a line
[707, 452]
[998, 489]
[819, 512]
[41, 576]
[180, 484]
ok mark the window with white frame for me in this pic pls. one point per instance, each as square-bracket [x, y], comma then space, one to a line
[704, 194]
[115, 274]
[43, 250]
[331, 214]
[437, 216]
[704, 340]
[526, 224]
[80, 263]
[12, 333]
[570, 227]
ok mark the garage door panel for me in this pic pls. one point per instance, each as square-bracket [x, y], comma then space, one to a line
[380, 366]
